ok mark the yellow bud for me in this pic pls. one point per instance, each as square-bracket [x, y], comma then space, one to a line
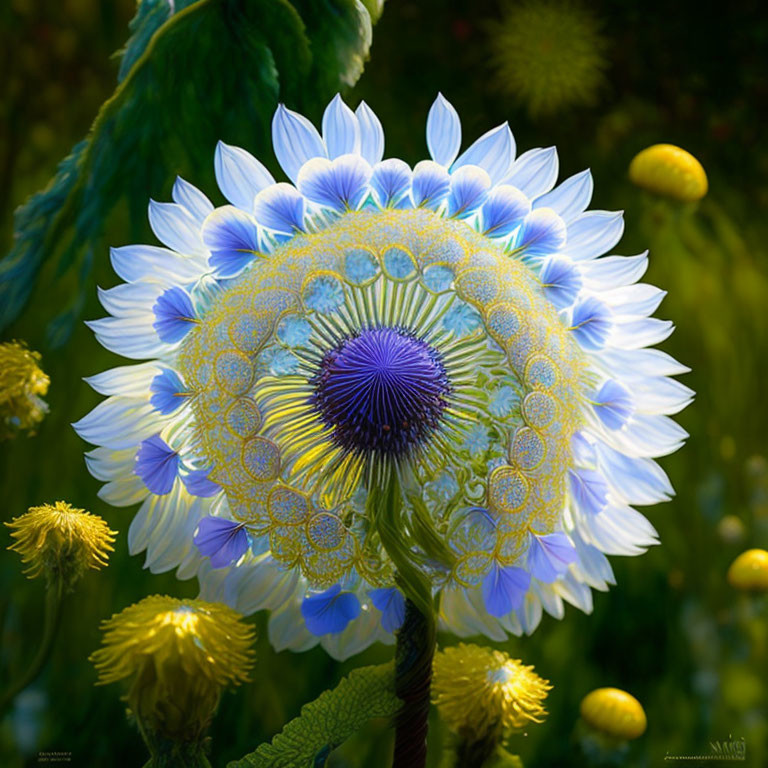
[22, 386]
[614, 712]
[59, 540]
[749, 571]
[669, 171]
[178, 655]
[478, 690]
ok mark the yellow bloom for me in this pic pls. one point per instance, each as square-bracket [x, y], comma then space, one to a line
[478, 690]
[22, 385]
[178, 654]
[749, 571]
[58, 539]
[614, 712]
[669, 171]
[549, 54]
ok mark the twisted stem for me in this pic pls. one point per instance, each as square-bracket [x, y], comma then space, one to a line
[416, 638]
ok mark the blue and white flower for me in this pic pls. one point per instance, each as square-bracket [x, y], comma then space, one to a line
[454, 325]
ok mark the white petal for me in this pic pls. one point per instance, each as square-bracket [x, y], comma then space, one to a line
[295, 140]
[132, 337]
[494, 152]
[570, 198]
[614, 271]
[128, 380]
[131, 299]
[443, 131]
[240, 175]
[534, 172]
[107, 465]
[137, 262]
[287, 630]
[594, 233]
[175, 227]
[191, 198]
[124, 493]
[259, 585]
[341, 129]
[119, 422]
[371, 134]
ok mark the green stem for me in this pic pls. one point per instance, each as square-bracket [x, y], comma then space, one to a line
[53, 600]
[416, 638]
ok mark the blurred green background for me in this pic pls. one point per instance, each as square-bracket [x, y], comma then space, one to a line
[672, 631]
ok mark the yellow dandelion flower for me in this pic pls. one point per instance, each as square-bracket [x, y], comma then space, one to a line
[549, 55]
[59, 540]
[22, 386]
[614, 712]
[178, 654]
[749, 571]
[669, 171]
[477, 690]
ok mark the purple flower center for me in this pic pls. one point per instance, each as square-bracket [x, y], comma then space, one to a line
[382, 391]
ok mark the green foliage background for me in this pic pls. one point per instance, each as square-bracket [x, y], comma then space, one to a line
[672, 632]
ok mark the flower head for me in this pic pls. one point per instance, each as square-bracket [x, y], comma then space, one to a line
[22, 385]
[669, 171]
[479, 690]
[178, 655]
[449, 329]
[57, 539]
[549, 54]
[749, 571]
[615, 713]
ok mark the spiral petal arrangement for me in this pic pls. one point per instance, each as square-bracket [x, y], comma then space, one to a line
[453, 324]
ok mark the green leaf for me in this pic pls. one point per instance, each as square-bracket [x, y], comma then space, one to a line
[328, 721]
[191, 74]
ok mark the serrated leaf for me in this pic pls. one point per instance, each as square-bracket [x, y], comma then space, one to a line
[328, 721]
[212, 69]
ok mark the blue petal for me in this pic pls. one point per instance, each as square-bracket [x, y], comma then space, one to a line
[240, 175]
[570, 198]
[341, 183]
[371, 134]
[174, 315]
[198, 483]
[175, 227]
[390, 181]
[281, 208]
[561, 280]
[191, 198]
[504, 209]
[430, 184]
[391, 603]
[224, 541]
[613, 404]
[542, 233]
[494, 152]
[443, 131]
[534, 172]
[590, 490]
[341, 129]
[549, 556]
[594, 233]
[295, 140]
[504, 589]
[591, 323]
[232, 236]
[168, 391]
[329, 612]
[469, 190]
[157, 465]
